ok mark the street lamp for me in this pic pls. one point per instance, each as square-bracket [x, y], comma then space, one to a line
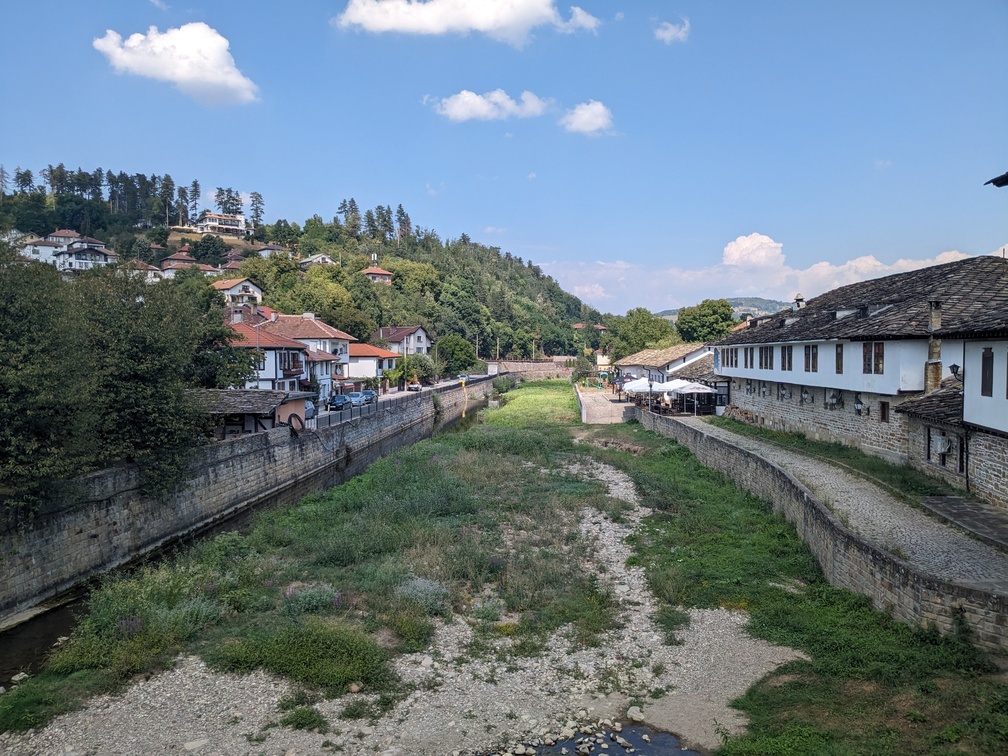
[650, 385]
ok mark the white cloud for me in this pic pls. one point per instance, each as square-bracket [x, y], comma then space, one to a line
[159, 4]
[194, 57]
[588, 118]
[531, 176]
[510, 21]
[752, 265]
[882, 164]
[668, 32]
[494, 230]
[492, 106]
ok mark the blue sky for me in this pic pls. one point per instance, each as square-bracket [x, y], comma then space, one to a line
[642, 153]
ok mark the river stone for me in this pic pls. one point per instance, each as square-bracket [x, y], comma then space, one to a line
[634, 714]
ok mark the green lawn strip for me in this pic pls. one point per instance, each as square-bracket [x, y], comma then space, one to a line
[309, 590]
[872, 685]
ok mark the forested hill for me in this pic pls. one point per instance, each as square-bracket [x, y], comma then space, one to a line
[459, 286]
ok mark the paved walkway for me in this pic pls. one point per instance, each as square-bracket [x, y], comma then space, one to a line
[962, 541]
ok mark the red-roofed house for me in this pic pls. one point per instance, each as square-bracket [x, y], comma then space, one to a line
[238, 290]
[368, 361]
[378, 275]
[282, 363]
[405, 339]
[330, 346]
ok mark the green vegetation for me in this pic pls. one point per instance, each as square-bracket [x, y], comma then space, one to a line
[95, 371]
[707, 321]
[871, 685]
[326, 591]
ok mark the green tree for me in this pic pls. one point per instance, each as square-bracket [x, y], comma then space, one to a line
[707, 321]
[457, 354]
[35, 415]
[641, 328]
[418, 366]
[257, 207]
[211, 249]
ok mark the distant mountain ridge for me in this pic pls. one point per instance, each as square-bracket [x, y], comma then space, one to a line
[756, 306]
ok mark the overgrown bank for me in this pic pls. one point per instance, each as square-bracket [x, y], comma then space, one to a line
[328, 592]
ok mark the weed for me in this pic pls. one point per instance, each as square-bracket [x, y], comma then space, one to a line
[306, 718]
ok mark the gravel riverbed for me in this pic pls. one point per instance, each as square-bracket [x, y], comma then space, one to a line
[463, 703]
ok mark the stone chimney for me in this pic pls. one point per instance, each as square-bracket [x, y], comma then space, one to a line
[799, 301]
[933, 366]
[308, 316]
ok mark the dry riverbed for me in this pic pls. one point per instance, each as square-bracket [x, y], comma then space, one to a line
[463, 702]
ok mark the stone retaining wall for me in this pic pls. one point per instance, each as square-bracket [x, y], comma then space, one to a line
[848, 562]
[533, 369]
[113, 524]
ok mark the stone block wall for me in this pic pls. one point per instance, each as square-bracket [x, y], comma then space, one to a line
[815, 419]
[533, 369]
[112, 524]
[988, 467]
[848, 562]
[917, 452]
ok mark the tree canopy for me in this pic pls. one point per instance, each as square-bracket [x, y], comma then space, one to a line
[707, 321]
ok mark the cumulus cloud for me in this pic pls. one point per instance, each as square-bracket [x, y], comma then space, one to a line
[511, 21]
[492, 106]
[753, 265]
[590, 117]
[668, 32]
[194, 58]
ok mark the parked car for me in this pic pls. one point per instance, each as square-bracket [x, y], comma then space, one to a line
[370, 397]
[309, 409]
[338, 402]
[356, 398]
[463, 376]
[413, 387]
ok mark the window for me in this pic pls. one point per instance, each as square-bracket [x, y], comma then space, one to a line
[766, 358]
[747, 353]
[987, 372]
[873, 357]
[786, 355]
[811, 358]
[883, 408]
[839, 359]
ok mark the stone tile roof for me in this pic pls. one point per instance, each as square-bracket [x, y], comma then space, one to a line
[658, 357]
[701, 370]
[971, 291]
[943, 406]
[240, 401]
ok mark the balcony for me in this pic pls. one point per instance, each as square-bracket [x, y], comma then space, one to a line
[293, 369]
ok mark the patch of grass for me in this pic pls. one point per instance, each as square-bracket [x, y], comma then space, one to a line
[872, 685]
[324, 656]
[306, 718]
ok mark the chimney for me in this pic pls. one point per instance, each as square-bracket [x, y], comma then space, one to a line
[309, 316]
[933, 366]
[799, 301]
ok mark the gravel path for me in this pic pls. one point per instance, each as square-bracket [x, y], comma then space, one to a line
[463, 704]
[888, 523]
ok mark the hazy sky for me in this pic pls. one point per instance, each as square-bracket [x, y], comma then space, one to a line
[643, 153]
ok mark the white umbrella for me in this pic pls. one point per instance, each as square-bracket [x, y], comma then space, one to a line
[694, 388]
[641, 384]
[674, 385]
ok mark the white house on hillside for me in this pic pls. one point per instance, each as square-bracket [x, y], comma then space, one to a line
[405, 339]
[281, 362]
[329, 347]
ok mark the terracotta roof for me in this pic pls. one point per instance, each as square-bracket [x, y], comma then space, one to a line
[227, 283]
[302, 327]
[65, 232]
[320, 355]
[972, 291]
[139, 265]
[240, 401]
[944, 406]
[370, 350]
[232, 265]
[579, 326]
[392, 334]
[376, 270]
[255, 337]
[659, 357]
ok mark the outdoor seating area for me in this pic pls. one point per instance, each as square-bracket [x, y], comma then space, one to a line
[675, 397]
